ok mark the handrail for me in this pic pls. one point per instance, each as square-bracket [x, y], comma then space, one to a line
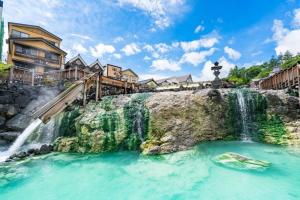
[44, 113]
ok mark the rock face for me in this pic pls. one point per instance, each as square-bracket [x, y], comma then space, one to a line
[283, 119]
[17, 103]
[159, 123]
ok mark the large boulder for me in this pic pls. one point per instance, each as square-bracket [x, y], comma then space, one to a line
[2, 121]
[9, 136]
[18, 123]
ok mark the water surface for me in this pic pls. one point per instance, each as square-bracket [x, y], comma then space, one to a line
[185, 175]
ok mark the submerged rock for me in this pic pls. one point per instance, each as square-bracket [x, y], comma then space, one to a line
[44, 149]
[237, 161]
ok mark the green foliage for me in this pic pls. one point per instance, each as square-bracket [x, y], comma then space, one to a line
[291, 62]
[272, 127]
[243, 76]
[4, 69]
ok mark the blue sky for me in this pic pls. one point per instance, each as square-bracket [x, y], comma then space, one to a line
[161, 38]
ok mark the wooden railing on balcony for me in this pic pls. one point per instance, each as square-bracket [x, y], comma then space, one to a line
[288, 78]
[28, 76]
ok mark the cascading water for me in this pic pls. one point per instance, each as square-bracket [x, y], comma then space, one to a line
[20, 140]
[245, 117]
[138, 122]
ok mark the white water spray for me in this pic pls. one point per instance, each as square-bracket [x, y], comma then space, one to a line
[20, 140]
[245, 136]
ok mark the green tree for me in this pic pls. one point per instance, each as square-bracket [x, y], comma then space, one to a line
[4, 69]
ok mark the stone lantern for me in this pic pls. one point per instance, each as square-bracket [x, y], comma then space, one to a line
[217, 82]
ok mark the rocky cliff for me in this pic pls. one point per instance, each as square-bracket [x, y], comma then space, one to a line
[165, 122]
[17, 103]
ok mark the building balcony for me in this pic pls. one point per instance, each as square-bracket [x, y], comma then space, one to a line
[38, 59]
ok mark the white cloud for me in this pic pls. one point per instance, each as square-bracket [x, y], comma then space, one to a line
[160, 10]
[164, 64]
[148, 47]
[147, 58]
[84, 37]
[287, 40]
[5, 46]
[207, 73]
[296, 20]
[102, 49]
[157, 49]
[232, 54]
[175, 44]
[196, 58]
[290, 43]
[131, 49]
[279, 30]
[197, 44]
[162, 47]
[199, 29]
[79, 48]
[118, 39]
[117, 56]
[149, 76]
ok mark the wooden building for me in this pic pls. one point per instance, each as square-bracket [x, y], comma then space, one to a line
[96, 67]
[113, 71]
[149, 84]
[175, 80]
[33, 47]
[129, 76]
[77, 67]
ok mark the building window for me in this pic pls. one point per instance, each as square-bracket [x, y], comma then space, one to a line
[33, 52]
[52, 56]
[19, 49]
[18, 34]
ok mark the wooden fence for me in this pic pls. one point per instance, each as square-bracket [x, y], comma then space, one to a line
[288, 78]
[28, 76]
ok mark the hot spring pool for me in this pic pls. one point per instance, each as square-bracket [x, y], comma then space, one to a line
[185, 175]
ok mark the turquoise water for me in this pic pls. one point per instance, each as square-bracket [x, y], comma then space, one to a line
[185, 175]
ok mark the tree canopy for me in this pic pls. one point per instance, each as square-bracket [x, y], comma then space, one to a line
[243, 76]
[4, 69]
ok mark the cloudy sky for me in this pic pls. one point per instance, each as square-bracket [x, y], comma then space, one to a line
[160, 38]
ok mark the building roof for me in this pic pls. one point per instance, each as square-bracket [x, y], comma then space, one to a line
[36, 27]
[130, 70]
[95, 63]
[147, 81]
[175, 79]
[77, 57]
[113, 66]
[38, 39]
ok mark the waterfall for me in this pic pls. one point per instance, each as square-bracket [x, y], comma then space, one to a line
[20, 140]
[138, 121]
[245, 116]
